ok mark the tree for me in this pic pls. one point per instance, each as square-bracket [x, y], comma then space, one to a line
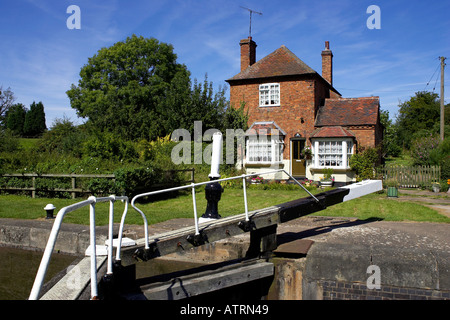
[186, 104]
[15, 118]
[236, 118]
[6, 101]
[390, 145]
[35, 120]
[418, 117]
[123, 88]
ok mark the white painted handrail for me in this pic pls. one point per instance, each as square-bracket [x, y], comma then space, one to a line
[91, 202]
[193, 185]
[122, 223]
[37, 285]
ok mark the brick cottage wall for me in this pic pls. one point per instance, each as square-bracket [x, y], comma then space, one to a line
[365, 136]
[299, 101]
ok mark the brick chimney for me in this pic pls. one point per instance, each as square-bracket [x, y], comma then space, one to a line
[248, 53]
[327, 63]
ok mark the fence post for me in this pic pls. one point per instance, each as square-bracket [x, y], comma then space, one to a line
[33, 192]
[412, 176]
[73, 187]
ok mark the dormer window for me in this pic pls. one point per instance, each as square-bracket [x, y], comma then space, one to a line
[269, 95]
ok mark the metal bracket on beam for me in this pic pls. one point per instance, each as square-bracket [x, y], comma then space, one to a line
[197, 239]
[247, 225]
[147, 254]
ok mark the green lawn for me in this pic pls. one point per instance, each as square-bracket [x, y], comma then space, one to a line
[232, 202]
[378, 206]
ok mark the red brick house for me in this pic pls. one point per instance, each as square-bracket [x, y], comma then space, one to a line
[291, 106]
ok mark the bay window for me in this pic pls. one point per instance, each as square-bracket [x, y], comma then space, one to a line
[265, 150]
[332, 153]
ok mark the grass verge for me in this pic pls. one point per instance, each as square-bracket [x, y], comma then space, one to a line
[232, 202]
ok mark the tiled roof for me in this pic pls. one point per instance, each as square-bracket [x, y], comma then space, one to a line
[348, 112]
[332, 132]
[281, 62]
[265, 128]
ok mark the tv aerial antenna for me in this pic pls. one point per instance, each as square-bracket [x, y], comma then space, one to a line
[251, 12]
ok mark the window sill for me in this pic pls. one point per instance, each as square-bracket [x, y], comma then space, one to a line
[335, 169]
[262, 164]
[269, 106]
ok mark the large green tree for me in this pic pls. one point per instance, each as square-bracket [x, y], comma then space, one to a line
[418, 117]
[123, 88]
[390, 145]
[15, 118]
[35, 120]
[187, 103]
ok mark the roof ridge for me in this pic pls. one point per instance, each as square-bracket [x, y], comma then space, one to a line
[354, 98]
[258, 70]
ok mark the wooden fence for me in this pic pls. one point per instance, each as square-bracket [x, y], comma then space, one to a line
[411, 176]
[74, 189]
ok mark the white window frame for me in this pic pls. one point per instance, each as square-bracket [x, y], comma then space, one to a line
[332, 153]
[269, 95]
[264, 150]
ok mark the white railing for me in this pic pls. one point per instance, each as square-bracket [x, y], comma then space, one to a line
[193, 185]
[91, 202]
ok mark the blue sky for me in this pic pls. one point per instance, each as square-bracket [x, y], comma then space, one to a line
[40, 57]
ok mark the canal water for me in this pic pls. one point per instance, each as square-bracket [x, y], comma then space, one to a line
[18, 269]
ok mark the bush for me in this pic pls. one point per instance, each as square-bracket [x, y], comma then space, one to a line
[158, 151]
[445, 168]
[63, 138]
[9, 142]
[132, 181]
[108, 146]
[422, 148]
[364, 162]
[102, 187]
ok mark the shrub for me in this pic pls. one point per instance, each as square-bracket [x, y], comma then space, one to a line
[132, 181]
[364, 162]
[9, 142]
[158, 151]
[327, 173]
[64, 138]
[102, 187]
[390, 183]
[445, 168]
[422, 148]
[109, 146]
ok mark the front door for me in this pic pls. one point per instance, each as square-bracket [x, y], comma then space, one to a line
[298, 162]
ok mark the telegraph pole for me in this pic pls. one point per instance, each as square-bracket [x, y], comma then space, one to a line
[442, 98]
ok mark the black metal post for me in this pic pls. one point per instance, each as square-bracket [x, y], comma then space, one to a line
[213, 193]
[49, 209]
